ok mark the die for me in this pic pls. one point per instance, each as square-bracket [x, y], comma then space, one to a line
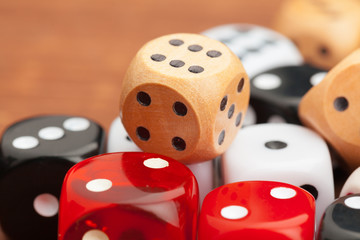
[250, 117]
[276, 94]
[184, 96]
[204, 173]
[129, 196]
[37, 152]
[352, 184]
[341, 219]
[119, 141]
[257, 210]
[260, 49]
[332, 108]
[285, 153]
[325, 31]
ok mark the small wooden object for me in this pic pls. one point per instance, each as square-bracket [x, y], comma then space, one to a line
[184, 96]
[325, 31]
[333, 109]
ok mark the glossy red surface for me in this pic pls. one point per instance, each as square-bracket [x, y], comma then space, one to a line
[267, 217]
[157, 202]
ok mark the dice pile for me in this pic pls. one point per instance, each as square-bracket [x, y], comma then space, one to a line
[232, 134]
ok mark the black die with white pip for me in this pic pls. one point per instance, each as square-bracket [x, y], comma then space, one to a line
[341, 219]
[36, 153]
[276, 94]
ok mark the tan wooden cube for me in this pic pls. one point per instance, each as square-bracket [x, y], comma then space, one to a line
[325, 31]
[332, 108]
[184, 96]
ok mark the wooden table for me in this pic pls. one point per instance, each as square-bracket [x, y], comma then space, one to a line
[68, 57]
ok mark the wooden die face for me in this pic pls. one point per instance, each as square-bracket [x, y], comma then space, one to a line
[342, 105]
[182, 95]
[140, 188]
[231, 110]
[332, 108]
[325, 31]
[259, 48]
[158, 125]
[254, 210]
[190, 56]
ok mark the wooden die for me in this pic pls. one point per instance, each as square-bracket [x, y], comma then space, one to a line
[325, 31]
[184, 96]
[332, 108]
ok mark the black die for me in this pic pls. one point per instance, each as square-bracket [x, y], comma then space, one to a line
[275, 94]
[35, 154]
[341, 219]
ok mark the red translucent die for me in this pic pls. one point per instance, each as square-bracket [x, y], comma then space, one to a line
[136, 196]
[257, 210]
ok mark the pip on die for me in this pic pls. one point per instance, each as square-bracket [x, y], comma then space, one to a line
[35, 154]
[128, 196]
[184, 96]
[282, 152]
[257, 210]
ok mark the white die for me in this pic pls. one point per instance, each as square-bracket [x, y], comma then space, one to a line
[119, 141]
[282, 152]
[352, 184]
[204, 174]
[250, 117]
[259, 48]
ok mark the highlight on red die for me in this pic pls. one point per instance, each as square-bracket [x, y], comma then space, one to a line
[131, 195]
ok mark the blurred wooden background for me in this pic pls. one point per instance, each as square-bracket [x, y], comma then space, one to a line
[68, 57]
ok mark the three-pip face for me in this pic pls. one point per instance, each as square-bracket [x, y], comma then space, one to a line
[184, 96]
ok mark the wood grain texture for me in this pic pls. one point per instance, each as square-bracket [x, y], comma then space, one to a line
[68, 57]
[209, 126]
[331, 108]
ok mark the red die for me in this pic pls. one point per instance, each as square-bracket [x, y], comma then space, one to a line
[257, 210]
[120, 196]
